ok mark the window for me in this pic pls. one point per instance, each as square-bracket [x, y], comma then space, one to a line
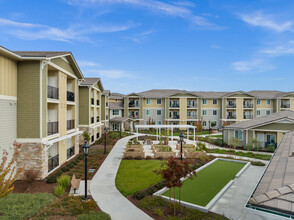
[268, 102]
[214, 101]
[158, 101]
[115, 112]
[258, 101]
[204, 112]
[148, 112]
[158, 122]
[204, 101]
[258, 112]
[204, 123]
[214, 112]
[268, 112]
[148, 101]
[239, 135]
[158, 112]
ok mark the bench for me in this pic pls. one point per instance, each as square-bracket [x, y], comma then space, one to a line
[75, 183]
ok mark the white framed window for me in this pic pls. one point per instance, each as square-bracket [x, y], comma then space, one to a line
[214, 112]
[158, 112]
[268, 112]
[148, 112]
[258, 101]
[204, 112]
[239, 135]
[158, 101]
[115, 112]
[214, 101]
[158, 122]
[268, 102]
[148, 101]
[258, 112]
[204, 101]
[204, 123]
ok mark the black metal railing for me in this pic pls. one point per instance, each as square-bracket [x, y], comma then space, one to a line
[70, 124]
[174, 117]
[192, 106]
[247, 116]
[97, 118]
[52, 128]
[97, 102]
[134, 116]
[248, 105]
[52, 92]
[70, 152]
[174, 105]
[92, 120]
[231, 117]
[231, 105]
[285, 105]
[92, 101]
[53, 162]
[70, 96]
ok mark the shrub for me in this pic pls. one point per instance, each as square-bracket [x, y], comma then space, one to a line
[94, 216]
[128, 158]
[71, 165]
[158, 211]
[64, 181]
[159, 158]
[31, 175]
[218, 142]
[247, 147]
[257, 163]
[148, 157]
[51, 179]
[58, 173]
[59, 190]
[151, 202]
[64, 169]
[114, 135]
[270, 148]
[138, 158]
[139, 195]
[201, 146]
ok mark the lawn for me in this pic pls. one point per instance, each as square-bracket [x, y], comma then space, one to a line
[209, 181]
[24, 206]
[135, 175]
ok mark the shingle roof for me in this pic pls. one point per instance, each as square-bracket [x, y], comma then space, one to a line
[276, 187]
[210, 95]
[120, 119]
[90, 81]
[159, 93]
[288, 114]
[106, 92]
[116, 96]
[116, 105]
[46, 54]
[265, 94]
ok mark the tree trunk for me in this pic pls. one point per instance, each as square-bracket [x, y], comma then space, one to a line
[174, 200]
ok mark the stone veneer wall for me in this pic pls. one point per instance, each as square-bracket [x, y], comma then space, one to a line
[33, 155]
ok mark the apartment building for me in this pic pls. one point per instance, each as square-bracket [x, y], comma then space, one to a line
[90, 96]
[166, 106]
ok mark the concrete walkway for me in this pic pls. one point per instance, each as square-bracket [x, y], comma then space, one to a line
[104, 191]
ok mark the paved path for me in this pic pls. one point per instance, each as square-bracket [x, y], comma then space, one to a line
[104, 191]
[232, 203]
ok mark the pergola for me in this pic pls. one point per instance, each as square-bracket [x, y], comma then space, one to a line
[159, 127]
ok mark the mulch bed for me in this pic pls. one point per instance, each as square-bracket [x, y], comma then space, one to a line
[21, 186]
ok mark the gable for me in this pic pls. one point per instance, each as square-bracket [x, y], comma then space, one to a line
[277, 126]
[63, 64]
[181, 95]
[240, 95]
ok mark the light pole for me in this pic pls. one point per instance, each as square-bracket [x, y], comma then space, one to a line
[120, 131]
[209, 126]
[182, 139]
[223, 135]
[86, 148]
[105, 130]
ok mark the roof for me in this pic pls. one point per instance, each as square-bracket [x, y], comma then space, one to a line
[9, 53]
[116, 96]
[89, 81]
[120, 119]
[159, 93]
[275, 189]
[210, 95]
[106, 92]
[45, 54]
[116, 105]
[288, 114]
[265, 94]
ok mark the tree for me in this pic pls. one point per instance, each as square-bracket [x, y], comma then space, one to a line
[234, 142]
[86, 136]
[254, 142]
[199, 124]
[8, 172]
[213, 123]
[172, 171]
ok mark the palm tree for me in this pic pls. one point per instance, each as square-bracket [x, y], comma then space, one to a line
[86, 136]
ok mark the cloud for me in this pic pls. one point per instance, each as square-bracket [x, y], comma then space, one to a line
[78, 32]
[141, 37]
[112, 74]
[280, 50]
[85, 63]
[255, 65]
[258, 19]
[177, 9]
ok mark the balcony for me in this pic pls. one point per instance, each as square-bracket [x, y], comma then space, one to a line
[192, 117]
[70, 124]
[134, 116]
[97, 102]
[52, 92]
[231, 117]
[174, 117]
[70, 96]
[92, 120]
[134, 104]
[192, 106]
[52, 128]
[92, 101]
[247, 116]
[231, 105]
[248, 105]
[285, 105]
[70, 152]
[53, 162]
[97, 119]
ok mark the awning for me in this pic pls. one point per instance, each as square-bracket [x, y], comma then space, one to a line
[51, 142]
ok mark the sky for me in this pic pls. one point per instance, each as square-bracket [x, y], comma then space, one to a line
[137, 45]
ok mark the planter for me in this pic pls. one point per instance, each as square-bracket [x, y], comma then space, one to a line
[194, 154]
[135, 146]
[134, 154]
[164, 154]
[133, 149]
[185, 146]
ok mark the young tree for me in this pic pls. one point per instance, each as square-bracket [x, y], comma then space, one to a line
[8, 172]
[199, 124]
[254, 142]
[86, 136]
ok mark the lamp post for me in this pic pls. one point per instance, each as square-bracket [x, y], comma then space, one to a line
[105, 130]
[182, 139]
[223, 135]
[86, 148]
[209, 126]
[120, 131]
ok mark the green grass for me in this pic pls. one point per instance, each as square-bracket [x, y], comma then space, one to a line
[209, 181]
[216, 136]
[24, 206]
[241, 154]
[135, 175]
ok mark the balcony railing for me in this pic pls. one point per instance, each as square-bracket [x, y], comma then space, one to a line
[174, 117]
[52, 92]
[247, 116]
[285, 105]
[92, 120]
[70, 124]
[92, 101]
[174, 105]
[231, 105]
[70, 96]
[249, 105]
[53, 162]
[70, 152]
[134, 116]
[192, 117]
[97, 119]
[192, 106]
[52, 128]
[134, 105]
[97, 102]
[231, 117]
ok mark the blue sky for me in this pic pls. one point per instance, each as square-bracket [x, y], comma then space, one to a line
[136, 45]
